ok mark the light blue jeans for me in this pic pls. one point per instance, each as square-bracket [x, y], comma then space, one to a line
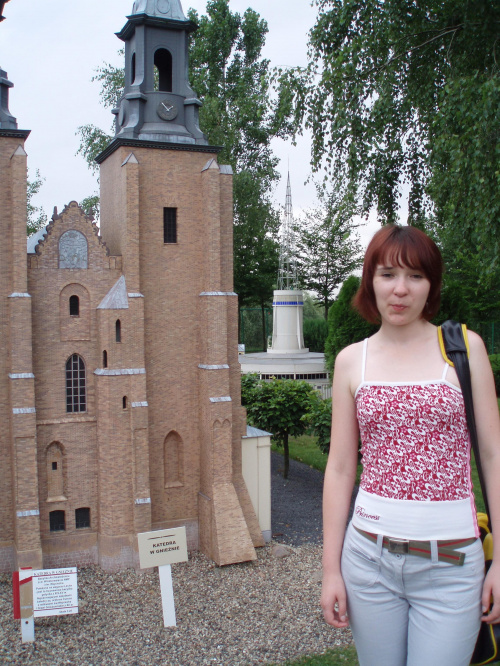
[405, 610]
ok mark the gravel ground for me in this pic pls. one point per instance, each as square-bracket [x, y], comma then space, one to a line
[262, 612]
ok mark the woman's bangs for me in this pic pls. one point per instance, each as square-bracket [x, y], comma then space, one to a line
[402, 255]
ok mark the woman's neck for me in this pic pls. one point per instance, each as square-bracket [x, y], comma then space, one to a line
[417, 331]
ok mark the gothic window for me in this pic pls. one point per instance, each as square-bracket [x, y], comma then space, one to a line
[173, 460]
[118, 331]
[163, 70]
[132, 69]
[104, 359]
[74, 306]
[73, 250]
[170, 225]
[76, 395]
[55, 472]
[82, 518]
[57, 520]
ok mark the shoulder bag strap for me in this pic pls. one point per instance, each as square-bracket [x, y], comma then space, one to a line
[452, 336]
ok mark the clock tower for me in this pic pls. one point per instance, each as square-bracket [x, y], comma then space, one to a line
[167, 211]
[158, 103]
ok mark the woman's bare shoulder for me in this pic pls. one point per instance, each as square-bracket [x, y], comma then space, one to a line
[349, 357]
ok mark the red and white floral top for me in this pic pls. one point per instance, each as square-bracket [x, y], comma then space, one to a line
[416, 480]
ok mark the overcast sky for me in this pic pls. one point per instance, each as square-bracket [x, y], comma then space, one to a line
[51, 50]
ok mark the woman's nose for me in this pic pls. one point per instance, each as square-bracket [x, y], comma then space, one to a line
[400, 286]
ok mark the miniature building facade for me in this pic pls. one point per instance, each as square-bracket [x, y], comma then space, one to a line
[120, 380]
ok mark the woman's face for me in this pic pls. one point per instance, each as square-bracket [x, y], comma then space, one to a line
[400, 292]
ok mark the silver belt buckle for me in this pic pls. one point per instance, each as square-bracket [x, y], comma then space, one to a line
[398, 546]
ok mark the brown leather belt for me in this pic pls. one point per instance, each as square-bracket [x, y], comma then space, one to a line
[446, 549]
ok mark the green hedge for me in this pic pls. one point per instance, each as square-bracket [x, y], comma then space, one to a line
[315, 332]
[495, 364]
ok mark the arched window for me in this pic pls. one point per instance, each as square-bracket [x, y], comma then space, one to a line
[163, 70]
[118, 331]
[74, 306]
[82, 517]
[76, 394]
[55, 471]
[173, 462]
[104, 359]
[124, 402]
[57, 520]
[132, 69]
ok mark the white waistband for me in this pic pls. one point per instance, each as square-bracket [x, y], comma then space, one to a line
[409, 519]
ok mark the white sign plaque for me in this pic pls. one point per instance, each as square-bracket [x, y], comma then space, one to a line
[162, 547]
[55, 592]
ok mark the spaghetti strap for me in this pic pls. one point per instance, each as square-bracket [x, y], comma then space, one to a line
[363, 366]
[445, 370]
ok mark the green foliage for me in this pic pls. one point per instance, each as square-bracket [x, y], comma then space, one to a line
[93, 141]
[304, 449]
[495, 366]
[91, 206]
[345, 325]
[279, 406]
[319, 420]
[328, 250]
[248, 385]
[342, 656]
[35, 214]
[315, 332]
[312, 308]
[406, 93]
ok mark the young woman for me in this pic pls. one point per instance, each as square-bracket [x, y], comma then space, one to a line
[398, 576]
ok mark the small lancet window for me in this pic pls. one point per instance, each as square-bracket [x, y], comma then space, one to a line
[74, 306]
[104, 359]
[118, 331]
[132, 69]
[170, 225]
[124, 402]
[163, 70]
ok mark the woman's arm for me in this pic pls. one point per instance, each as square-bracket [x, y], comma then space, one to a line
[488, 432]
[340, 475]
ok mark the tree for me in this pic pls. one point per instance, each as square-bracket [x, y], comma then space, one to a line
[242, 111]
[345, 325]
[279, 406]
[328, 249]
[35, 214]
[406, 94]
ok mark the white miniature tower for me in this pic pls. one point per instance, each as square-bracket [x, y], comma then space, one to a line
[288, 301]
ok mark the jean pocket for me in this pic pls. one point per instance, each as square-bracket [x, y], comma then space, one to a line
[360, 562]
[460, 586]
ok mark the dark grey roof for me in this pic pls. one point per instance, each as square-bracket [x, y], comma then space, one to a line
[170, 9]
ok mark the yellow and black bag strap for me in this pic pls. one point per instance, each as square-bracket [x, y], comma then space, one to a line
[455, 349]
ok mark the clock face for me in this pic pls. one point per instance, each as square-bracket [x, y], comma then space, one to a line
[163, 6]
[167, 109]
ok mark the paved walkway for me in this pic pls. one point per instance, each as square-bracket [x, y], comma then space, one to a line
[296, 503]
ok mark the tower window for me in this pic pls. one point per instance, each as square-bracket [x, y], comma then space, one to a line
[57, 521]
[170, 225]
[118, 331]
[132, 69]
[54, 466]
[104, 359]
[82, 518]
[124, 402]
[163, 70]
[76, 400]
[74, 306]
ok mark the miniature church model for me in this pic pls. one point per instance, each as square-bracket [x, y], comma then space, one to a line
[120, 382]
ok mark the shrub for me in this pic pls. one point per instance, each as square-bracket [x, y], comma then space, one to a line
[345, 325]
[315, 332]
[319, 421]
[495, 365]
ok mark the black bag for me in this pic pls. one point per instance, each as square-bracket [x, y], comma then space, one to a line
[454, 346]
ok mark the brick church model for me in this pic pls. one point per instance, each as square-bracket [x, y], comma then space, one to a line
[119, 375]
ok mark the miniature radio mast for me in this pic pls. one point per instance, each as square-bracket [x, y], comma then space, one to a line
[287, 274]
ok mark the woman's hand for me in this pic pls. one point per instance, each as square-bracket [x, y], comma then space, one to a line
[491, 589]
[334, 601]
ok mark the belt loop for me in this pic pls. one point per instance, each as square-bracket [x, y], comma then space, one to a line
[434, 552]
[380, 543]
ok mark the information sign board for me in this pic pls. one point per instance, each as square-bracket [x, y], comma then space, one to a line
[162, 547]
[55, 592]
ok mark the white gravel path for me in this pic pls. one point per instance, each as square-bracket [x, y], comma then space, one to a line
[263, 612]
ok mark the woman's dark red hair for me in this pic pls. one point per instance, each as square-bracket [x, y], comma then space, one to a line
[400, 246]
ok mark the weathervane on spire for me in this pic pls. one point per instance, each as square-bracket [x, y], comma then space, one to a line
[287, 274]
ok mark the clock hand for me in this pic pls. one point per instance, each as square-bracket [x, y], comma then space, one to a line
[167, 108]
